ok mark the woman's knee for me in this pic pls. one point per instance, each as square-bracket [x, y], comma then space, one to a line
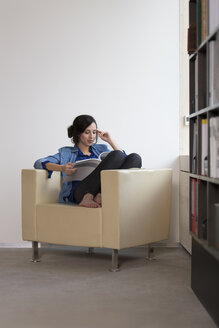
[118, 154]
[136, 158]
[113, 160]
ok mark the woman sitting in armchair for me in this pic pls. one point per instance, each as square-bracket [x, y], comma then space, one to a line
[84, 134]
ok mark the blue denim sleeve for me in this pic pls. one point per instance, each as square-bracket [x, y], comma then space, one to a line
[52, 159]
[45, 168]
[40, 163]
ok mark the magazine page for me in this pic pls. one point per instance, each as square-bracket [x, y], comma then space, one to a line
[103, 155]
[93, 162]
[84, 168]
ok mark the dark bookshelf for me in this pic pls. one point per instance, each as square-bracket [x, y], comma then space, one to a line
[204, 154]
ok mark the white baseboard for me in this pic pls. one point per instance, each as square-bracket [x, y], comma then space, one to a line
[23, 244]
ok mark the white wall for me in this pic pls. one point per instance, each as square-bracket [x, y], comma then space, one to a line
[184, 78]
[114, 59]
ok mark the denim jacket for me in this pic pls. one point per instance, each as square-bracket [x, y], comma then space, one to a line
[65, 155]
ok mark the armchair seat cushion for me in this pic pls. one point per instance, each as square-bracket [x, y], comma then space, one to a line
[69, 225]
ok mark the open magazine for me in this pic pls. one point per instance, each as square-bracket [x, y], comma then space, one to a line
[85, 167]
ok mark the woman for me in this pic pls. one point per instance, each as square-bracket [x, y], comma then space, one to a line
[84, 134]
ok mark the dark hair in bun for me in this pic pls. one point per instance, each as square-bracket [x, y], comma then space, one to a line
[79, 125]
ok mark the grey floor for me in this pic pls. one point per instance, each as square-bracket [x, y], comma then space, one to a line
[69, 288]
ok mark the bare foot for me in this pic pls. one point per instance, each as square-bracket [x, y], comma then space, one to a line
[98, 199]
[88, 201]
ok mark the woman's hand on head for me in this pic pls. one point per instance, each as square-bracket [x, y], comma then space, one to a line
[69, 169]
[105, 136]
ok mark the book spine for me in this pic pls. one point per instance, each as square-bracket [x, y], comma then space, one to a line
[204, 149]
[211, 72]
[214, 147]
[216, 69]
[196, 206]
[211, 147]
[215, 224]
[217, 145]
[193, 208]
[199, 22]
[191, 46]
[213, 9]
[195, 148]
[204, 19]
[196, 84]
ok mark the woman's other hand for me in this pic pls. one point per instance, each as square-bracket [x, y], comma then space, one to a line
[69, 169]
[105, 136]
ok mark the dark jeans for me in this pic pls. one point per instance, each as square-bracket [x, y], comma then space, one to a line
[114, 160]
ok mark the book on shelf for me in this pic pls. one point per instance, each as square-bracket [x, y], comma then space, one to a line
[84, 168]
[204, 147]
[191, 46]
[199, 22]
[192, 85]
[205, 23]
[213, 15]
[196, 84]
[192, 36]
[195, 148]
[214, 147]
[204, 14]
[194, 206]
[215, 225]
[214, 71]
[205, 229]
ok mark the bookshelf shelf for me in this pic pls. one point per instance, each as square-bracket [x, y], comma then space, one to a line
[203, 50]
[204, 178]
[203, 44]
[206, 110]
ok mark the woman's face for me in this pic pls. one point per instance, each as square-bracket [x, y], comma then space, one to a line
[88, 137]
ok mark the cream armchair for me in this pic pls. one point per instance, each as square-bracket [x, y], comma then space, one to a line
[136, 205]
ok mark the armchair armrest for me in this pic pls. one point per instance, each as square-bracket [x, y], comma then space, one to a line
[36, 189]
[136, 206]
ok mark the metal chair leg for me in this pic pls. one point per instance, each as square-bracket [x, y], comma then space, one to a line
[35, 252]
[150, 253]
[115, 264]
[91, 250]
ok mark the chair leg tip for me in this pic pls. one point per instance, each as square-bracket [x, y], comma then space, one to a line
[35, 260]
[150, 258]
[114, 269]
